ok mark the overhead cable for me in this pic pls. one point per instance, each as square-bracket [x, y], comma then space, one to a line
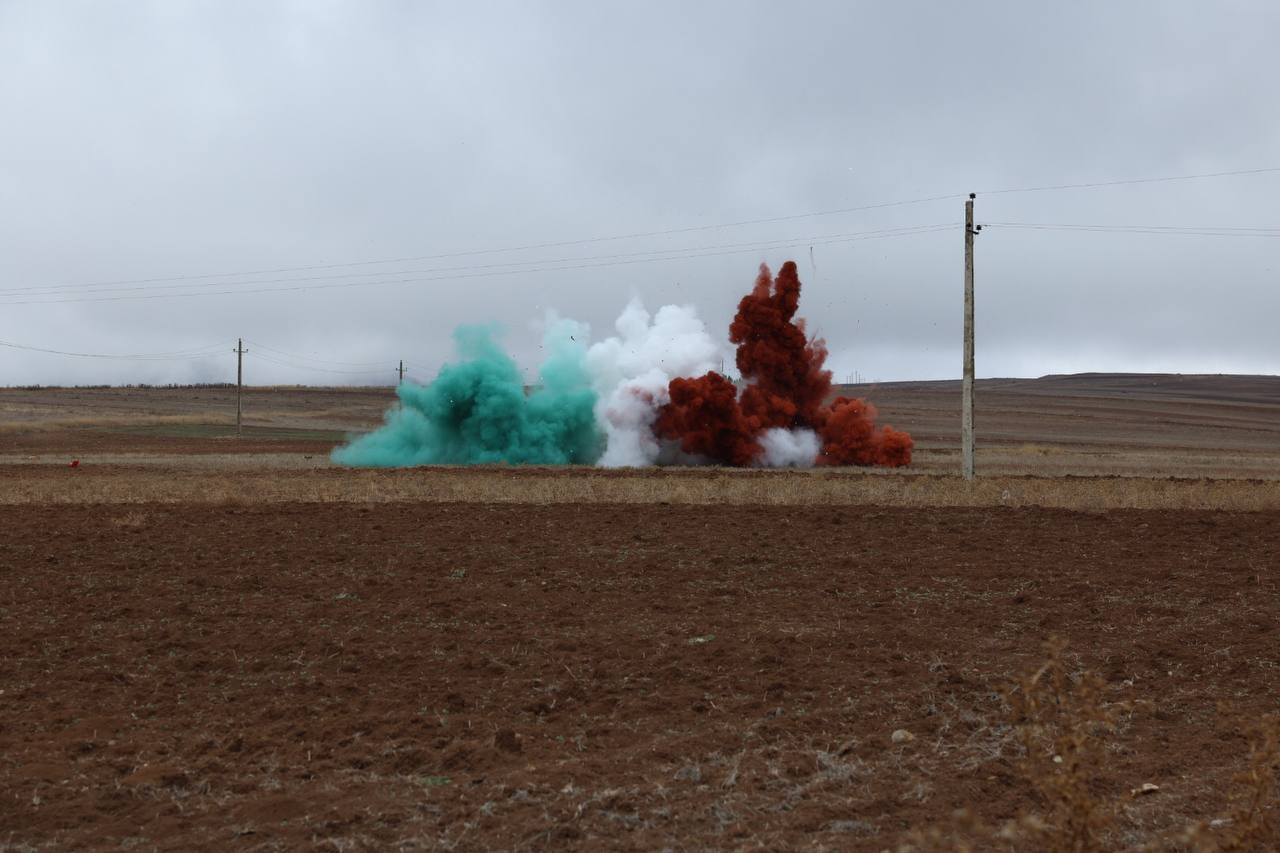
[755, 245]
[181, 355]
[913, 230]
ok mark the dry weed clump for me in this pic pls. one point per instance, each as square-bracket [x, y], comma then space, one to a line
[131, 520]
[1254, 821]
[33, 419]
[1062, 725]
[1065, 726]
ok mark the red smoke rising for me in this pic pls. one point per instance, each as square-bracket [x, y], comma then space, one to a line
[788, 383]
[704, 414]
[850, 437]
[788, 388]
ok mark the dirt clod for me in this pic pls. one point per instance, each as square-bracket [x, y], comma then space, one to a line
[507, 741]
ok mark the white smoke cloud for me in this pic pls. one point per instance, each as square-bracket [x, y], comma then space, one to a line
[789, 448]
[631, 373]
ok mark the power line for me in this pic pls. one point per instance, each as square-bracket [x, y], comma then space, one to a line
[1126, 181]
[755, 245]
[281, 363]
[643, 234]
[198, 354]
[181, 355]
[297, 357]
[1159, 230]
[522, 248]
[909, 231]
[1263, 228]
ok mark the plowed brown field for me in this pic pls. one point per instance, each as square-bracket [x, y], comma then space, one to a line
[477, 676]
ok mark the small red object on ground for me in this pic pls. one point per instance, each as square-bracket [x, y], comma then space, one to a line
[75, 463]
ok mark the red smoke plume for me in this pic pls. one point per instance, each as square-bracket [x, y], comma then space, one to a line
[788, 383]
[850, 437]
[788, 388]
[705, 416]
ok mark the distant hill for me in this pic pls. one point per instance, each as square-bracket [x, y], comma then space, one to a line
[1132, 422]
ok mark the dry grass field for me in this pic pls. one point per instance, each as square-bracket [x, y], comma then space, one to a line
[211, 642]
[283, 478]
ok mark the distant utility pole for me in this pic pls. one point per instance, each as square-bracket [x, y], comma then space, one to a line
[401, 371]
[966, 405]
[240, 351]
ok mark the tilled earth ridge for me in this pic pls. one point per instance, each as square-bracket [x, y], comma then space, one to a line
[272, 480]
[348, 676]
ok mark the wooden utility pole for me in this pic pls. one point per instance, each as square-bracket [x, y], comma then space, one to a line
[401, 372]
[966, 404]
[240, 351]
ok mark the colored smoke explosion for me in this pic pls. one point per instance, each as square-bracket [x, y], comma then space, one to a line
[643, 397]
[781, 415]
[477, 410]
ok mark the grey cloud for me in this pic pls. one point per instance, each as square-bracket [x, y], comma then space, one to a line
[147, 140]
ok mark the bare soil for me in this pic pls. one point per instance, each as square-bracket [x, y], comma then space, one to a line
[479, 676]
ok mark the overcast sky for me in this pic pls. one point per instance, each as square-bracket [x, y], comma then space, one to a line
[175, 139]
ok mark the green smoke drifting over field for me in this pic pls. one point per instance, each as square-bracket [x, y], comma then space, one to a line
[476, 411]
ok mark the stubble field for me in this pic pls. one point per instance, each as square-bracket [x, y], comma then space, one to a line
[212, 643]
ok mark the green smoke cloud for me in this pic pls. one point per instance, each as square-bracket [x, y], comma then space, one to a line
[477, 412]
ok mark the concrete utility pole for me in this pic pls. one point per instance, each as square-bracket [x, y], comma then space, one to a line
[966, 405]
[240, 351]
[401, 382]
